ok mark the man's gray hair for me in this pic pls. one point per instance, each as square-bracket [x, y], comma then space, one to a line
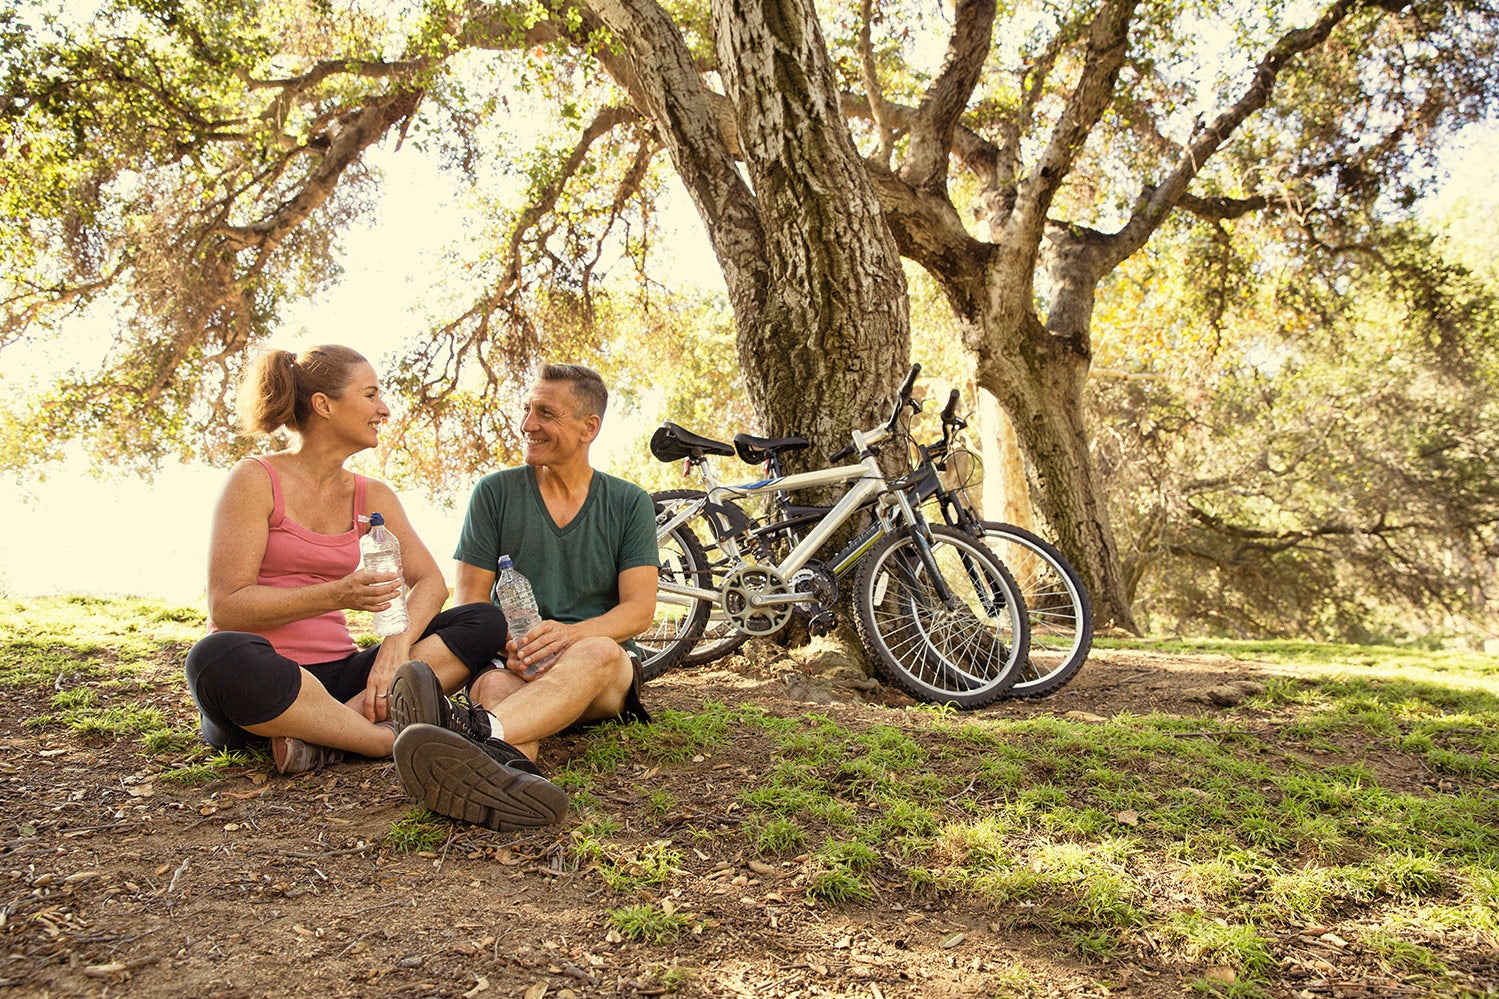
[588, 386]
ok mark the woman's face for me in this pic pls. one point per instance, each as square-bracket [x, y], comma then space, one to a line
[359, 410]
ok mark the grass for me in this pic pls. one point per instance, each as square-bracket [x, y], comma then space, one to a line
[48, 639]
[1356, 789]
[418, 830]
[649, 923]
[1086, 830]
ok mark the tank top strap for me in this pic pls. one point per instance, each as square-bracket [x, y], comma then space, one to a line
[278, 502]
[360, 525]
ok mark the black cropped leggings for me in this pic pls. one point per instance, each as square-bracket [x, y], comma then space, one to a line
[238, 679]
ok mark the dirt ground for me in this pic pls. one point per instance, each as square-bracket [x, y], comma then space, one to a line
[113, 882]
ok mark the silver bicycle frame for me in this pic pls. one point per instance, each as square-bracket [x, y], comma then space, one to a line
[869, 482]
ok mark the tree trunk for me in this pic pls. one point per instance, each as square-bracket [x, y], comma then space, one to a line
[832, 338]
[813, 272]
[1006, 488]
[1042, 389]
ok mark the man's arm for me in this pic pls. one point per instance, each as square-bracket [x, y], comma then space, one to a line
[471, 584]
[636, 607]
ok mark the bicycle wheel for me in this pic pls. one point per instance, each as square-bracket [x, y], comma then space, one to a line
[1056, 603]
[967, 653]
[719, 637]
[678, 620]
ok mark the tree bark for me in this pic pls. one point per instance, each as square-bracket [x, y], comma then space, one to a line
[835, 333]
[1006, 487]
[813, 273]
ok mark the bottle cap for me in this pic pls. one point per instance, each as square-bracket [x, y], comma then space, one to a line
[376, 520]
[505, 563]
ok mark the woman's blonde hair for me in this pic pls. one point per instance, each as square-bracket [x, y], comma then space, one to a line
[277, 389]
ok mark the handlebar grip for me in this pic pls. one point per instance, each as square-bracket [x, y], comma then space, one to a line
[905, 388]
[951, 408]
[846, 451]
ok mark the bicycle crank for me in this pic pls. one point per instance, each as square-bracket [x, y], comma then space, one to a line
[744, 599]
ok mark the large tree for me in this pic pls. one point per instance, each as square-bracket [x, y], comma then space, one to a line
[192, 162]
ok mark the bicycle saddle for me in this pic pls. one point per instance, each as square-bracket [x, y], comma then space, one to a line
[753, 450]
[673, 443]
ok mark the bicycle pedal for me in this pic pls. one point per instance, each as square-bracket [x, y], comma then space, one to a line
[822, 624]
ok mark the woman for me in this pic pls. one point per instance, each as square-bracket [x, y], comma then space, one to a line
[283, 566]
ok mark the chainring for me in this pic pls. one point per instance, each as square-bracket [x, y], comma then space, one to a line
[740, 589]
[818, 582]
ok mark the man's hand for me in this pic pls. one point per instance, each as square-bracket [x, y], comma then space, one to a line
[546, 639]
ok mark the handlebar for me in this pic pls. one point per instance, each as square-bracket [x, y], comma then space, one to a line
[910, 382]
[902, 400]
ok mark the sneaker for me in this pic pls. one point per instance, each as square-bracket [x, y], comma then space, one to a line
[416, 698]
[294, 756]
[489, 783]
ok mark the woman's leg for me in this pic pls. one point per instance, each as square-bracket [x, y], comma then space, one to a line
[244, 689]
[461, 642]
[317, 718]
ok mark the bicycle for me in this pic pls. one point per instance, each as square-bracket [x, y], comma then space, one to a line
[941, 618]
[1060, 612]
[1060, 615]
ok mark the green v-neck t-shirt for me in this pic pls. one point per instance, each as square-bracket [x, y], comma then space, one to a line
[574, 570]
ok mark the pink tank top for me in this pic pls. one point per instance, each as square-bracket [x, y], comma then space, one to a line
[295, 556]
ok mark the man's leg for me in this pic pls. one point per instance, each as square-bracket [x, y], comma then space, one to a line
[588, 682]
[494, 781]
[460, 643]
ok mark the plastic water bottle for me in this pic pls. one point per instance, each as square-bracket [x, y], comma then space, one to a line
[518, 603]
[380, 550]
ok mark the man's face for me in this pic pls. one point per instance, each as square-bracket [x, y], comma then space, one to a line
[552, 430]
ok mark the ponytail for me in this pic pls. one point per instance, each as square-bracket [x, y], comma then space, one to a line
[277, 389]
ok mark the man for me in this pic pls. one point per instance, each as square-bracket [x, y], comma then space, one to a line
[587, 542]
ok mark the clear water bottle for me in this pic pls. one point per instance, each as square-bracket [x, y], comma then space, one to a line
[380, 550]
[513, 593]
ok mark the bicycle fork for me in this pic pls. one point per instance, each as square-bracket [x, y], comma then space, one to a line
[993, 602]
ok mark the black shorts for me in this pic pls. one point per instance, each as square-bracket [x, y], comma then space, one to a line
[634, 710]
[238, 679]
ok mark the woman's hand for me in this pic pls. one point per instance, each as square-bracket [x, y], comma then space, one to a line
[368, 590]
[375, 703]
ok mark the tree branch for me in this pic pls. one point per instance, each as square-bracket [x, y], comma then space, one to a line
[1156, 202]
[931, 134]
[1272, 542]
[869, 73]
[999, 168]
[503, 296]
[348, 136]
[692, 121]
[1108, 41]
